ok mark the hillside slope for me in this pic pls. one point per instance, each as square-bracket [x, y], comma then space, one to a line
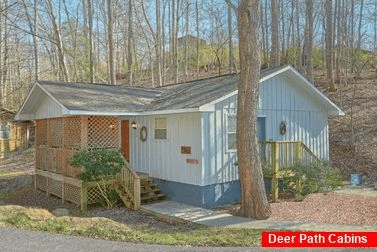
[358, 99]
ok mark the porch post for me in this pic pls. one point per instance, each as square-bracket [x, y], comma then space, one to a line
[275, 171]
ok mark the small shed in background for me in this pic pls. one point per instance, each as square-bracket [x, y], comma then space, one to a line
[14, 135]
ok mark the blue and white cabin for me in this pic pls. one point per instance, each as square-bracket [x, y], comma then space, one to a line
[184, 135]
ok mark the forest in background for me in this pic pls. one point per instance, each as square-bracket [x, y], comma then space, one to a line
[159, 42]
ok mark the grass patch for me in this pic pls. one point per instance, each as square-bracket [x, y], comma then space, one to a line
[103, 228]
[18, 193]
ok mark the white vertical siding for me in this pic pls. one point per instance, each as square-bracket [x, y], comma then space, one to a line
[281, 99]
[48, 109]
[162, 158]
[219, 163]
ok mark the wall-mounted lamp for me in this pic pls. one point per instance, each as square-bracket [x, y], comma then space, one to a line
[134, 125]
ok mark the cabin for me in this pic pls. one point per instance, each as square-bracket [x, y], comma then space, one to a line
[182, 136]
[14, 136]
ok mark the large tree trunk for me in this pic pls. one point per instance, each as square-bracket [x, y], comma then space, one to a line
[253, 196]
[275, 33]
[329, 45]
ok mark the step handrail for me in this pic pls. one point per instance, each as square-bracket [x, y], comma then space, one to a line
[130, 181]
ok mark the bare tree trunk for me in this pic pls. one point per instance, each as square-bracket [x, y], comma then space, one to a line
[359, 67]
[275, 33]
[197, 38]
[186, 37]
[299, 58]
[91, 54]
[6, 50]
[158, 43]
[175, 38]
[329, 43]
[129, 44]
[59, 42]
[2, 95]
[352, 35]
[230, 38]
[308, 46]
[264, 62]
[35, 39]
[253, 196]
[110, 42]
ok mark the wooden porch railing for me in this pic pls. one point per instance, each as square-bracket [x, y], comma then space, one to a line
[129, 187]
[281, 155]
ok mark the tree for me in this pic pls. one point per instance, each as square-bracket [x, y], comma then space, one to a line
[59, 41]
[129, 44]
[275, 33]
[308, 46]
[329, 44]
[110, 41]
[253, 196]
[91, 54]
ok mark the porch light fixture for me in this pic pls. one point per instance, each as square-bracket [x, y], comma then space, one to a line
[134, 125]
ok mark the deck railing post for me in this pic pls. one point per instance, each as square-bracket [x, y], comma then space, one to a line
[299, 151]
[136, 193]
[275, 171]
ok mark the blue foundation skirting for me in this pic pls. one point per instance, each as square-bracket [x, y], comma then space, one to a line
[206, 196]
[202, 196]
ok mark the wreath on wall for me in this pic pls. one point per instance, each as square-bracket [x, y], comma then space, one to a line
[143, 134]
[283, 128]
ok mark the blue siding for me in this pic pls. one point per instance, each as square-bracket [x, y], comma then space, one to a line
[206, 196]
[202, 196]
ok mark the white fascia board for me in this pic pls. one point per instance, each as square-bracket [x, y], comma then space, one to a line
[18, 115]
[335, 110]
[172, 111]
[275, 74]
[65, 110]
[96, 113]
[145, 113]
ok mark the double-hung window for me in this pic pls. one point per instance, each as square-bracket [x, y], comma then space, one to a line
[4, 132]
[160, 129]
[232, 133]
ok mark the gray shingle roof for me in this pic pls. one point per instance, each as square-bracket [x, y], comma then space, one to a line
[109, 98]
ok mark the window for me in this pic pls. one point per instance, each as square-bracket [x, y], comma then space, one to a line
[232, 132]
[4, 132]
[160, 129]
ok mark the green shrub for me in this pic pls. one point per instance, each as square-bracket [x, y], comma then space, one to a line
[315, 177]
[97, 163]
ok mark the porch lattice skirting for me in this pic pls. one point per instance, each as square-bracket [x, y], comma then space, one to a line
[86, 193]
[59, 138]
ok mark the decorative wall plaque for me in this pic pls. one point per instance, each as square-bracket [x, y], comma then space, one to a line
[186, 149]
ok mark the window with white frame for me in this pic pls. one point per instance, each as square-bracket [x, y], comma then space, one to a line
[232, 133]
[160, 129]
[4, 132]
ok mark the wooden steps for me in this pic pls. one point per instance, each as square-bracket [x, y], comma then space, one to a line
[149, 192]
